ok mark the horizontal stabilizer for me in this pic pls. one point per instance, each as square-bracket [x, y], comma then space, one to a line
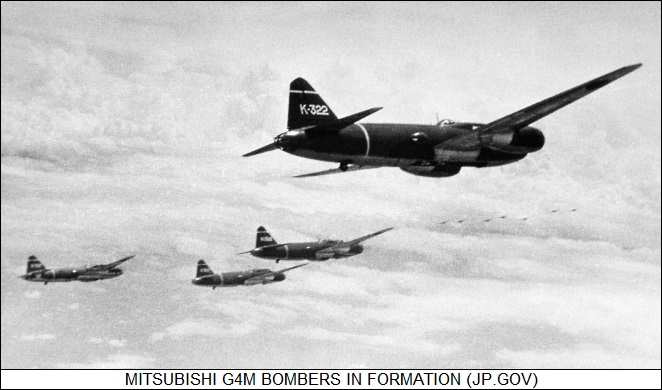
[338, 170]
[266, 148]
[263, 247]
[339, 124]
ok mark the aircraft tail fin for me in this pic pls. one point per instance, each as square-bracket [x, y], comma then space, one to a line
[203, 269]
[307, 108]
[34, 264]
[263, 238]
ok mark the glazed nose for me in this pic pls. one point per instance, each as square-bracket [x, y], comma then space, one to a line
[289, 140]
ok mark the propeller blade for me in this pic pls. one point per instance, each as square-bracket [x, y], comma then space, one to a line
[266, 148]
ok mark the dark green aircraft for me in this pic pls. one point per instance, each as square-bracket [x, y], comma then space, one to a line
[267, 248]
[90, 273]
[205, 276]
[439, 150]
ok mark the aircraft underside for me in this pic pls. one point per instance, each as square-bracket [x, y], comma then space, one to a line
[467, 159]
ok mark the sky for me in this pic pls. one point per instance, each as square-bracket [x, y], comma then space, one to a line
[123, 126]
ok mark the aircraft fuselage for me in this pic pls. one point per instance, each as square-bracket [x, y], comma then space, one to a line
[305, 251]
[404, 145]
[243, 278]
[70, 275]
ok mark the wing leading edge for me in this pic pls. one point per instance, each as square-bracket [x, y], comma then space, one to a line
[289, 269]
[530, 114]
[361, 239]
[116, 263]
[350, 168]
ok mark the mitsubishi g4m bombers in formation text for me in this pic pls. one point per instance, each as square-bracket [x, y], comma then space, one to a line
[440, 150]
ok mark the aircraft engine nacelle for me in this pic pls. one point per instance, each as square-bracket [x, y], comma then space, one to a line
[262, 280]
[324, 255]
[526, 140]
[88, 278]
[341, 250]
[440, 170]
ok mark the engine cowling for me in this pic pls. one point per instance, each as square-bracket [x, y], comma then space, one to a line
[324, 254]
[525, 140]
[260, 280]
[439, 170]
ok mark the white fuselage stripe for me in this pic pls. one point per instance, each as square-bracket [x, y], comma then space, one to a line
[310, 92]
[287, 252]
[367, 139]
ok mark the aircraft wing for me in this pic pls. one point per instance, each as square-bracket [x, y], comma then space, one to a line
[350, 168]
[114, 264]
[270, 276]
[360, 239]
[528, 115]
[288, 269]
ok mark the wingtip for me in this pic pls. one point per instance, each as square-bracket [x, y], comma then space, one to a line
[631, 68]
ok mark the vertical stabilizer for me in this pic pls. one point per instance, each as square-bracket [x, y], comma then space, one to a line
[263, 238]
[203, 269]
[307, 108]
[34, 264]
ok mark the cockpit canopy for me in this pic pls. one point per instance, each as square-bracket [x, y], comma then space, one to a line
[445, 122]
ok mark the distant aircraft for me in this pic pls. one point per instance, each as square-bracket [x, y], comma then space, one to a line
[439, 150]
[90, 273]
[205, 276]
[267, 248]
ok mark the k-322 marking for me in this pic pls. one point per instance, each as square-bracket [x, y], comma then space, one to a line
[313, 109]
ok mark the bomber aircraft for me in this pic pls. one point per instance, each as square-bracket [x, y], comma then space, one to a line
[267, 248]
[441, 150]
[90, 273]
[205, 276]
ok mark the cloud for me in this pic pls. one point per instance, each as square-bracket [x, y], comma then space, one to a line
[204, 329]
[115, 361]
[32, 294]
[38, 337]
[111, 342]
